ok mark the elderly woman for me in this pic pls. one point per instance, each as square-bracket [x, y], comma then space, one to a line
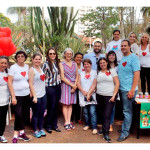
[20, 93]
[51, 69]
[69, 76]
[86, 79]
[132, 39]
[115, 45]
[144, 55]
[107, 88]
[37, 87]
[4, 98]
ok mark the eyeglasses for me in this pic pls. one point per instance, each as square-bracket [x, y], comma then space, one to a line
[20, 56]
[52, 53]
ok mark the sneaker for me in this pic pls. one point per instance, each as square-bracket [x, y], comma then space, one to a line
[80, 122]
[72, 126]
[42, 133]
[37, 134]
[94, 131]
[23, 137]
[14, 140]
[86, 128]
[121, 138]
[67, 127]
[100, 132]
[107, 139]
[3, 139]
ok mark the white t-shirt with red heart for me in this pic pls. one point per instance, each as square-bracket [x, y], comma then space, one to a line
[116, 47]
[4, 91]
[20, 79]
[39, 83]
[105, 83]
[144, 56]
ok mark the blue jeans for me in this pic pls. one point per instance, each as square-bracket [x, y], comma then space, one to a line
[127, 112]
[90, 116]
[38, 110]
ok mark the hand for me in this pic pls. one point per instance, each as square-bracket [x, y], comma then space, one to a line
[112, 99]
[74, 86]
[34, 100]
[72, 90]
[31, 95]
[14, 101]
[84, 93]
[131, 94]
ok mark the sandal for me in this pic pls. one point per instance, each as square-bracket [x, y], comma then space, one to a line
[67, 127]
[72, 126]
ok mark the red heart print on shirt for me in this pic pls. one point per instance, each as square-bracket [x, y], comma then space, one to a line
[6, 79]
[115, 46]
[144, 53]
[83, 69]
[87, 76]
[108, 73]
[124, 64]
[23, 74]
[42, 77]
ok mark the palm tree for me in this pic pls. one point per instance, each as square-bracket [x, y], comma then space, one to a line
[145, 11]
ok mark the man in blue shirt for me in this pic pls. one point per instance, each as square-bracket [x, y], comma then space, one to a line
[128, 73]
[96, 55]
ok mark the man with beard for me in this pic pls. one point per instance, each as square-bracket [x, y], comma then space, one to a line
[95, 55]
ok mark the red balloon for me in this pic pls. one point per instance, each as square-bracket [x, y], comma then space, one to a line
[6, 30]
[1, 52]
[3, 34]
[5, 42]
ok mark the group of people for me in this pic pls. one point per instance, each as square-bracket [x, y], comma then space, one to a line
[93, 82]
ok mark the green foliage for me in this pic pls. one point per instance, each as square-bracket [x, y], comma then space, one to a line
[4, 21]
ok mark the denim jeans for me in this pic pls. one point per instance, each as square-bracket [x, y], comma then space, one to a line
[127, 112]
[90, 116]
[38, 110]
[113, 114]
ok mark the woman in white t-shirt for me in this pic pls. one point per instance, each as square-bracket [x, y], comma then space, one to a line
[37, 87]
[132, 39]
[107, 89]
[4, 98]
[115, 45]
[144, 56]
[86, 80]
[20, 95]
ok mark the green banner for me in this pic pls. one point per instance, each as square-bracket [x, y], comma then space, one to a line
[145, 115]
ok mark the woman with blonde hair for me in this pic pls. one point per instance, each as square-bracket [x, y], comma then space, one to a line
[69, 76]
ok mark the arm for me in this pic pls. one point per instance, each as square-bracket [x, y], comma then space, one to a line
[80, 87]
[11, 89]
[31, 78]
[64, 79]
[134, 84]
[116, 81]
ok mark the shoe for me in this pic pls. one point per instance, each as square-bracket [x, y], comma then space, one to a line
[80, 122]
[49, 131]
[100, 132]
[72, 126]
[37, 134]
[14, 140]
[121, 138]
[107, 139]
[23, 137]
[111, 128]
[42, 133]
[94, 131]
[57, 130]
[67, 127]
[3, 139]
[86, 128]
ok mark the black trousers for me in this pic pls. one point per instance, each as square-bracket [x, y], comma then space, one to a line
[145, 77]
[76, 110]
[22, 112]
[104, 109]
[3, 113]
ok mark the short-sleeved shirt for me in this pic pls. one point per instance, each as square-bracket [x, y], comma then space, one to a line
[93, 59]
[116, 47]
[20, 79]
[128, 65]
[105, 82]
[86, 84]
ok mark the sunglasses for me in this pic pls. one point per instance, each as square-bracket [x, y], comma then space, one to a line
[52, 53]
